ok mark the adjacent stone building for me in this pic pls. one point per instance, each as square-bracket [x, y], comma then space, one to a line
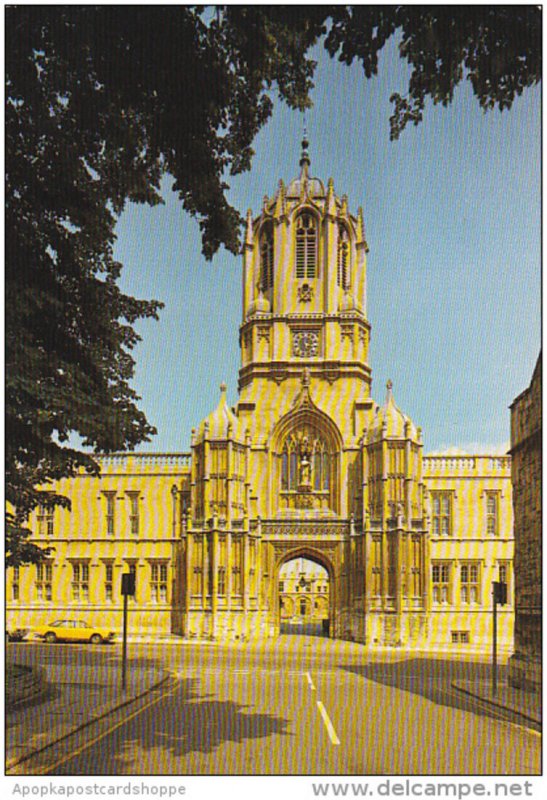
[305, 465]
[526, 451]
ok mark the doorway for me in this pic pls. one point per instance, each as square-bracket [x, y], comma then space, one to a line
[304, 598]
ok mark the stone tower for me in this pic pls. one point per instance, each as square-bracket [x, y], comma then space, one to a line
[306, 464]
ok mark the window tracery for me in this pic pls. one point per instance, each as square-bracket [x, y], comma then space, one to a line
[306, 246]
[266, 257]
[305, 462]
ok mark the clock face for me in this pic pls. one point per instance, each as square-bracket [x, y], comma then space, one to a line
[305, 343]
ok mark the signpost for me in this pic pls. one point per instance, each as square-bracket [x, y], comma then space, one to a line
[499, 595]
[128, 589]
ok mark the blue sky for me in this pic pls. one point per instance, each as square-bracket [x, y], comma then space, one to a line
[453, 220]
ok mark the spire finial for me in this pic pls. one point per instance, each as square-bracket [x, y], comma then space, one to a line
[389, 387]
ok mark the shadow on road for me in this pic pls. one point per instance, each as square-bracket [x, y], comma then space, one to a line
[432, 679]
[200, 725]
[302, 629]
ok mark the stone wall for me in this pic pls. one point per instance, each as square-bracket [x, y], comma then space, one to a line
[24, 685]
[526, 426]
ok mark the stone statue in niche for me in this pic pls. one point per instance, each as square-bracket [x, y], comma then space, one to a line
[304, 482]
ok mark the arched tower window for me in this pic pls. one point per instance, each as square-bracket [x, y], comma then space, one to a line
[266, 257]
[343, 257]
[306, 246]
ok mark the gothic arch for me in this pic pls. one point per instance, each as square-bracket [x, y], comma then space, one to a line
[266, 255]
[306, 236]
[294, 418]
[344, 251]
[305, 464]
[311, 553]
[306, 206]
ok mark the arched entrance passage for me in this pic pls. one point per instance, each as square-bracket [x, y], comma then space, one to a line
[304, 596]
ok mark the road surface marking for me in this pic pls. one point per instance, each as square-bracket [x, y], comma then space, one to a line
[323, 711]
[310, 682]
[328, 724]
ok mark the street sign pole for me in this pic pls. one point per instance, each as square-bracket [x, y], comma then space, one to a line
[494, 640]
[499, 595]
[128, 588]
[124, 643]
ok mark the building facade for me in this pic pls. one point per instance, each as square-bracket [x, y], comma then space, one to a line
[305, 465]
[526, 450]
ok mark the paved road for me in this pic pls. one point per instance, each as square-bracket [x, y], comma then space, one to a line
[300, 706]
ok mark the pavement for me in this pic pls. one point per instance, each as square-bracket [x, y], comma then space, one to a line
[526, 704]
[74, 698]
[78, 696]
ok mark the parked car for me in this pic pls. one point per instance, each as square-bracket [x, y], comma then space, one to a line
[73, 630]
[17, 634]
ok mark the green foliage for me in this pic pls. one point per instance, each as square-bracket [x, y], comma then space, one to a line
[101, 102]
[496, 48]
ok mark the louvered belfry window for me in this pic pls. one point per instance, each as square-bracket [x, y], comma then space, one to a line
[343, 258]
[306, 246]
[266, 258]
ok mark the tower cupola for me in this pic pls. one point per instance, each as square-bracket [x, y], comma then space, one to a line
[221, 424]
[390, 422]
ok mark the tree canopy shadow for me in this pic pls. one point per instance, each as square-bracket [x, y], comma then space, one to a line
[200, 725]
[434, 678]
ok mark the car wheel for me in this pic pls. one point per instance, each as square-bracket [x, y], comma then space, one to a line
[50, 638]
[96, 638]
